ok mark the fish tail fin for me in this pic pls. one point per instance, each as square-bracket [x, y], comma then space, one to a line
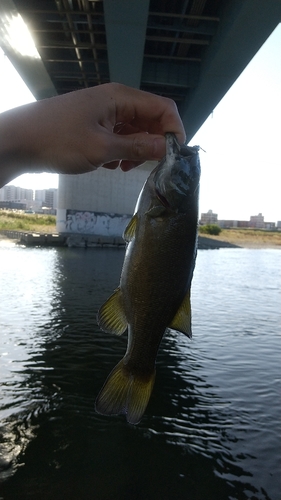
[124, 392]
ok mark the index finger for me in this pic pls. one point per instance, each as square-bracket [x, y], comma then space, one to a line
[149, 112]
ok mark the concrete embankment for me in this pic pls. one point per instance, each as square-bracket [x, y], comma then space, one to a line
[205, 243]
[62, 240]
[34, 239]
[88, 241]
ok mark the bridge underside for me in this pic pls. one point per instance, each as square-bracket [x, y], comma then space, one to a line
[189, 50]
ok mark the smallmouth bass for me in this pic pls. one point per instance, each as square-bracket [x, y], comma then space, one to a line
[154, 289]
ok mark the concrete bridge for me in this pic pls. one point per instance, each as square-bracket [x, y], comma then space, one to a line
[189, 50]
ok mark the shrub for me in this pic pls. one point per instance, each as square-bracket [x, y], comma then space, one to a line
[210, 229]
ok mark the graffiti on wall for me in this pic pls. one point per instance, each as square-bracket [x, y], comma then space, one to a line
[104, 224]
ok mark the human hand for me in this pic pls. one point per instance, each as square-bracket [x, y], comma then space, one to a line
[106, 125]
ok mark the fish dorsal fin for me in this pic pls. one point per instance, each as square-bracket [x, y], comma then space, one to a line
[111, 316]
[130, 230]
[182, 319]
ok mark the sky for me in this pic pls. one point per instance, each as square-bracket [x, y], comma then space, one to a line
[241, 169]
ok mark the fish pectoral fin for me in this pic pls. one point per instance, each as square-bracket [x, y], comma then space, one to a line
[111, 317]
[125, 393]
[130, 230]
[182, 319]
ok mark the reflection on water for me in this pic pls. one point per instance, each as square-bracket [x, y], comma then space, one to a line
[211, 429]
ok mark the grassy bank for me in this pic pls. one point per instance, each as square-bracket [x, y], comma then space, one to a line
[250, 238]
[19, 221]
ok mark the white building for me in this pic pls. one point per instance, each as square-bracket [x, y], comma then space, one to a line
[15, 193]
[257, 221]
[209, 218]
[47, 197]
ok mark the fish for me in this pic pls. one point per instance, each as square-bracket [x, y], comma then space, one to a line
[154, 290]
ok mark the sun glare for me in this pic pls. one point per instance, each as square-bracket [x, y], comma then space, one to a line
[18, 36]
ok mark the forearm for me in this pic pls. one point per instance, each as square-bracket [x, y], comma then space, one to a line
[17, 143]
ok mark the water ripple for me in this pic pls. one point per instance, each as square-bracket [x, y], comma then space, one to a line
[212, 427]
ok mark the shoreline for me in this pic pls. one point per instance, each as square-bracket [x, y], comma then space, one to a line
[213, 243]
[254, 241]
[210, 243]
[205, 242]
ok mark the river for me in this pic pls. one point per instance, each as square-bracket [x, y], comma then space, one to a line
[211, 430]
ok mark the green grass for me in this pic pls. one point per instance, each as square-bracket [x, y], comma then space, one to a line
[19, 221]
[210, 229]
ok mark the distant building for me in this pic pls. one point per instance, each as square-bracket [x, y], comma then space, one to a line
[209, 218]
[15, 194]
[39, 196]
[243, 223]
[279, 224]
[269, 225]
[226, 224]
[51, 198]
[33, 205]
[17, 197]
[257, 221]
[12, 205]
[47, 197]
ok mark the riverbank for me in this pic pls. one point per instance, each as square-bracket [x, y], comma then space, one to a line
[228, 238]
[248, 238]
[19, 221]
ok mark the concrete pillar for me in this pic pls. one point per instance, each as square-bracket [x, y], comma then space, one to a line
[100, 202]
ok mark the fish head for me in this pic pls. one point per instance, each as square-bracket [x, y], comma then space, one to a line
[176, 178]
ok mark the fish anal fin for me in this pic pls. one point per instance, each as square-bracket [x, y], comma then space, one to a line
[130, 230]
[125, 393]
[111, 316]
[182, 319]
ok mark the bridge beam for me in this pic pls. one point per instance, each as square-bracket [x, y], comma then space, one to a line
[125, 24]
[18, 45]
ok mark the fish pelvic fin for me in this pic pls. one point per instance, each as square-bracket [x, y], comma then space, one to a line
[182, 319]
[125, 393]
[111, 317]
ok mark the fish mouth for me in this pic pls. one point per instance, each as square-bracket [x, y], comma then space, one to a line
[176, 177]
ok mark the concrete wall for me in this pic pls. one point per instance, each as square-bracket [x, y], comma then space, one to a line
[85, 222]
[101, 192]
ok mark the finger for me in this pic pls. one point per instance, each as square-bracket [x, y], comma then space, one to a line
[134, 147]
[148, 112]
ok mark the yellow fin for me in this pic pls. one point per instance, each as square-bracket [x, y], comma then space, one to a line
[130, 230]
[111, 316]
[182, 319]
[125, 393]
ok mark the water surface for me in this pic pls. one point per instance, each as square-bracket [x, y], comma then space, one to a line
[212, 427]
